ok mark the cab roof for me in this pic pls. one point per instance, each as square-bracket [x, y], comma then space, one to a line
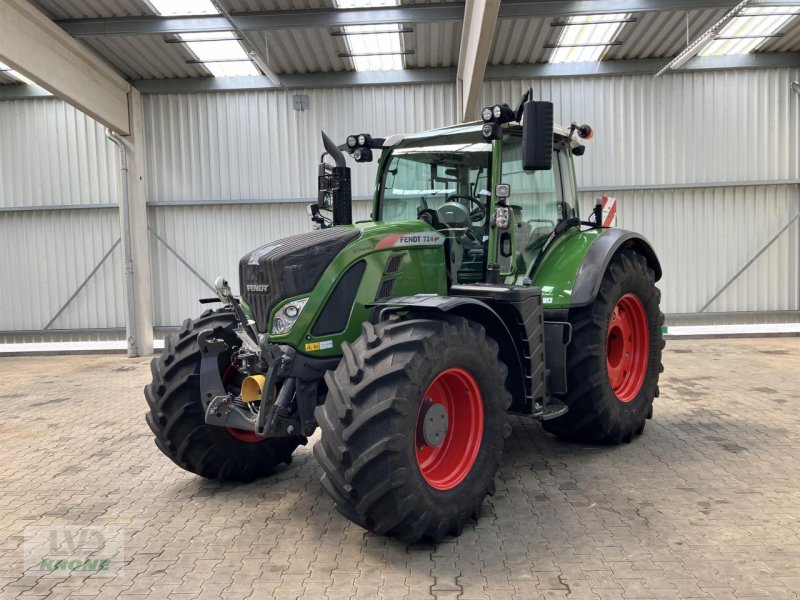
[456, 130]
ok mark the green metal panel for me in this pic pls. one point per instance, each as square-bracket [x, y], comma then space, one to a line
[497, 170]
[422, 271]
[379, 181]
[559, 268]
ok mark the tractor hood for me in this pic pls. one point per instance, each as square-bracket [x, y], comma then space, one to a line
[314, 263]
[288, 267]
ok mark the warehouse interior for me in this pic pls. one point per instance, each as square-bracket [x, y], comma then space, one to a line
[693, 105]
[601, 406]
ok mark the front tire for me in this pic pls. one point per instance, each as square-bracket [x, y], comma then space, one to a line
[614, 360]
[414, 426]
[177, 418]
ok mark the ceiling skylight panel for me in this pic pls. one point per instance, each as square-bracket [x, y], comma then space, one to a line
[585, 38]
[373, 47]
[171, 8]
[365, 3]
[751, 28]
[220, 53]
[381, 51]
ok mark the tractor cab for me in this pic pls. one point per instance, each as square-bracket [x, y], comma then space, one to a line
[500, 191]
[477, 192]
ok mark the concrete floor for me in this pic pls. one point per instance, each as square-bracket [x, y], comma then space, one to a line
[705, 504]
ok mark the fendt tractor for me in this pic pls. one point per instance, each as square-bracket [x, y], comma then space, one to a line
[476, 290]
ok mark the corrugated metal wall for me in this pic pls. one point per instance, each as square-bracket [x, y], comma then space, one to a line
[684, 128]
[229, 172]
[680, 154]
[51, 155]
[254, 146]
[706, 165]
[705, 236]
[211, 239]
[58, 219]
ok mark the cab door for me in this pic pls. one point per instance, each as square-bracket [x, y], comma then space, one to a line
[535, 207]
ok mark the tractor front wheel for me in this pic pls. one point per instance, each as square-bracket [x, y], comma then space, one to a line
[414, 426]
[614, 359]
[177, 418]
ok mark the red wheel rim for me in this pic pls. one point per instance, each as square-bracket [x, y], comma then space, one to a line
[448, 463]
[240, 434]
[627, 347]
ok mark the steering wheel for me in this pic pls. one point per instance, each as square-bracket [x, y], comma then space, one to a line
[478, 213]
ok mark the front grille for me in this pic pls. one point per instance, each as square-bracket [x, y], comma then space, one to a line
[288, 267]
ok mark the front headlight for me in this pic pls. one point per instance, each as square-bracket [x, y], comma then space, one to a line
[285, 318]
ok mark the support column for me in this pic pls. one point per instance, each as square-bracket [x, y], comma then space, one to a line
[135, 235]
[480, 20]
[140, 236]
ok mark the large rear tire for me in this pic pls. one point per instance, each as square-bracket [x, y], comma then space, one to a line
[413, 427]
[177, 419]
[614, 360]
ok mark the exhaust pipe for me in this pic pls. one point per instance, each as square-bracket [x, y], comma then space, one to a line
[332, 149]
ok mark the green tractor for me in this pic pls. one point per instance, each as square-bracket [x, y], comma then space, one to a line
[474, 291]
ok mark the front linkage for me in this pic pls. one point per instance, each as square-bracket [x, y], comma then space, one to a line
[288, 382]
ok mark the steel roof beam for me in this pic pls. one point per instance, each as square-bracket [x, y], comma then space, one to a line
[406, 14]
[296, 19]
[647, 66]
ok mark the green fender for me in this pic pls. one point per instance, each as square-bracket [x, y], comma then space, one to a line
[572, 269]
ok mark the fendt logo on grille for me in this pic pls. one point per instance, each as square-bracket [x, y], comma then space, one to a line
[257, 287]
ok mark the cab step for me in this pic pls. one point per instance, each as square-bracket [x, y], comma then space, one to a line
[554, 408]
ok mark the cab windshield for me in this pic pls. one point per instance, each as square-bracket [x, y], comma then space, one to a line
[447, 185]
[429, 177]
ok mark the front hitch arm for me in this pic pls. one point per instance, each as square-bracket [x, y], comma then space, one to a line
[272, 420]
[218, 404]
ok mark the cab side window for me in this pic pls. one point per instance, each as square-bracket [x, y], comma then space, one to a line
[534, 202]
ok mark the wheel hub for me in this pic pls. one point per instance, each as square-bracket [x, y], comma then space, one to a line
[435, 422]
[449, 429]
[627, 347]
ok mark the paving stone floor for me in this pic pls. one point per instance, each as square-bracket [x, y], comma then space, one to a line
[706, 504]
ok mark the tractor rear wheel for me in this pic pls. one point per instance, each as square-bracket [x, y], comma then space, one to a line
[413, 427]
[177, 419]
[614, 360]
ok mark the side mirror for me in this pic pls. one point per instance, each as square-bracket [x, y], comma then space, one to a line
[537, 136]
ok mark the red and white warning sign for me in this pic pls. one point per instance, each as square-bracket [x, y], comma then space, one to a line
[609, 211]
